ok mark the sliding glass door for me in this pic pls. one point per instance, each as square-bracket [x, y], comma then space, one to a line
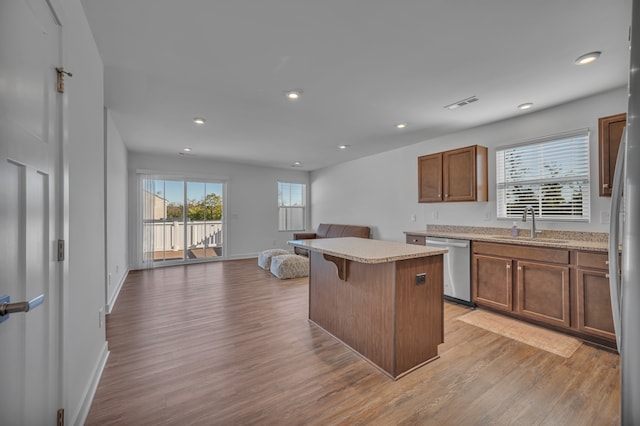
[204, 219]
[182, 220]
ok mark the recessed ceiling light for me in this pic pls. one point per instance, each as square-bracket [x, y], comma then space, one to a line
[199, 121]
[296, 164]
[526, 105]
[186, 149]
[588, 58]
[401, 125]
[293, 95]
[343, 146]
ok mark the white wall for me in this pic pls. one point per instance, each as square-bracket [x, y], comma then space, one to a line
[382, 191]
[117, 234]
[251, 206]
[85, 347]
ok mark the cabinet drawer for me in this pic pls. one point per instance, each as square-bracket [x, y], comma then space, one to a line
[419, 240]
[586, 259]
[541, 254]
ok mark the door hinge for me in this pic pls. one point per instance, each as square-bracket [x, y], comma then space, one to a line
[60, 420]
[60, 82]
[60, 250]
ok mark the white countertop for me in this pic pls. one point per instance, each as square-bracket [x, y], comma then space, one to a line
[366, 251]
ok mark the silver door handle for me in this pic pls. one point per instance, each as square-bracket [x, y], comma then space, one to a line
[443, 244]
[12, 308]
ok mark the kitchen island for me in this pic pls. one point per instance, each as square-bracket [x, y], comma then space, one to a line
[382, 299]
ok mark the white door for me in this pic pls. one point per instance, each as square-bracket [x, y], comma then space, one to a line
[29, 145]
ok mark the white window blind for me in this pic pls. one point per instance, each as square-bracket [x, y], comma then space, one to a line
[292, 200]
[550, 174]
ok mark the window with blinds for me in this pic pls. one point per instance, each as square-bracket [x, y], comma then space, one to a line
[550, 174]
[292, 202]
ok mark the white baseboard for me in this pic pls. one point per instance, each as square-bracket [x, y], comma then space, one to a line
[80, 415]
[111, 302]
[242, 256]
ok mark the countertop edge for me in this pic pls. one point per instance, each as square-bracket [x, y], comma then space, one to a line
[308, 245]
[564, 244]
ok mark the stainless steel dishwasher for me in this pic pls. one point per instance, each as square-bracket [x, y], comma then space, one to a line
[457, 268]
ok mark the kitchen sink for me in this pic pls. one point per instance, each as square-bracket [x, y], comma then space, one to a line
[520, 238]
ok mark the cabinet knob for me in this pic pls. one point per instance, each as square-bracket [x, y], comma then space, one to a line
[519, 268]
[415, 240]
[605, 185]
[508, 266]
[606, 262]
[606, 276]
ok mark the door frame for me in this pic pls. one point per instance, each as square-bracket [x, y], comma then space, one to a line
[61, 227]
[186, 177]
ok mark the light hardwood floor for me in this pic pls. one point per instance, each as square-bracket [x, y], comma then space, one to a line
[226, 343]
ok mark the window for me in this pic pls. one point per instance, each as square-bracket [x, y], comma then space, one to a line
[292, 201]
[550, 174]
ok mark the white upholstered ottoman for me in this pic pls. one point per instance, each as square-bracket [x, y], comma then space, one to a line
[264, 258]
[287, 266]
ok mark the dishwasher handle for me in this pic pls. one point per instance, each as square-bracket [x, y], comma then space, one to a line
[443, 244]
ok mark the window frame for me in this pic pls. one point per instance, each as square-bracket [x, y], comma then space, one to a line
[286, 227]
[568, 152]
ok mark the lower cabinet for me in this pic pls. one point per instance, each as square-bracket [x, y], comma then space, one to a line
[492, 282]
[565, 289]
[543, 292]
[594, 298]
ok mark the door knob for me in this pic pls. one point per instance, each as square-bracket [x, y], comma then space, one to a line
[7, 308]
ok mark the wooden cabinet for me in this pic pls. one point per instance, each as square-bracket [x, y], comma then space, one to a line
[455, 175]
[430, 178]
[543, 292]
[568, 290]
[492, 282]
[532, 282]
[609, 136]
[594, 299]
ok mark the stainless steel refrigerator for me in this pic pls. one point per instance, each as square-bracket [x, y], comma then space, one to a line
[625, 231]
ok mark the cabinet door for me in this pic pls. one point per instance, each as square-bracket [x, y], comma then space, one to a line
[594, 304]
[430, 178]
[543, 292]
[459, 174]
[492, 282]
[610, 134]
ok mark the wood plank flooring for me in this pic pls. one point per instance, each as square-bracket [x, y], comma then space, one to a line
[226, 343]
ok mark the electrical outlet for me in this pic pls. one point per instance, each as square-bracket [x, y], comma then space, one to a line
[421, 279]
[109, 278]
[413, 218]
[434, 214]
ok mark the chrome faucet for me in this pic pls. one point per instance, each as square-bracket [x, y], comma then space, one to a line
[533, 219]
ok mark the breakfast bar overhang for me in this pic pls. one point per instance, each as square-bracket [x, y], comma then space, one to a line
[382, 299]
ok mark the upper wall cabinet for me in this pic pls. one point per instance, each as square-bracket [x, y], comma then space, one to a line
[456, 175]
[609, 137]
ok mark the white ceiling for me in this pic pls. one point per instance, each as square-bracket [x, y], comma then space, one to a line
[363, 65]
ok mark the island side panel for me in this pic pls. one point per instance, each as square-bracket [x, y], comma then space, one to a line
[419, 312]
[359, 310]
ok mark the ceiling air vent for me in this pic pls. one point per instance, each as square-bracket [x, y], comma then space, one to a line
[462, 103]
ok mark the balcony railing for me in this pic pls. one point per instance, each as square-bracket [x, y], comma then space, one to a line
[167, 240]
